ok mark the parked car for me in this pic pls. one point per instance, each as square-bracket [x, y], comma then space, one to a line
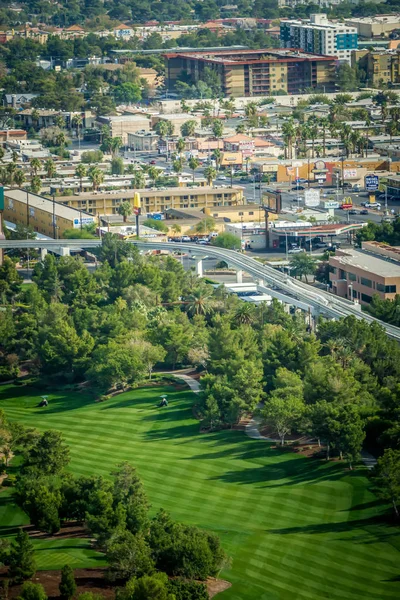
[364, 211]
[295, 250]
[185, 238]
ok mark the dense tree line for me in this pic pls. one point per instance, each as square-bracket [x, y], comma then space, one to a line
[114, 325]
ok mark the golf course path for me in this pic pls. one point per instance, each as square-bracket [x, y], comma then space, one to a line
[253, 429]
[191, 381]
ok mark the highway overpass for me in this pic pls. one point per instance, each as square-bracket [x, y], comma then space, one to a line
[274, 282]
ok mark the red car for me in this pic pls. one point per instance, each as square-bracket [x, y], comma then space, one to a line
[153, 162]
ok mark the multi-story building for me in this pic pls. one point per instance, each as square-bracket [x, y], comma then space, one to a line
[255, 72]
[376, 26]
[107, 202]
[121, 126]
[381, 67]
[43, 215]
[321, 36]
[361, 274]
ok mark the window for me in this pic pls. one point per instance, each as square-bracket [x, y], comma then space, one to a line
[251, 213]
[342, 274]
[240, 214]
[366, 282]
[334, 270]
[352, 277]
[388, 289]
[366, 298]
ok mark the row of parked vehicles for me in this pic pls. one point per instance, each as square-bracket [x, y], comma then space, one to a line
[203, 240]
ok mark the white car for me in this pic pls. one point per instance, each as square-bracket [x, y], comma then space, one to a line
[296, 250]
[375, 205]
[222, 177]
[185, 238]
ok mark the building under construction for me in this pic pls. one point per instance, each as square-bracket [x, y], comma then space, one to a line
[255, 72]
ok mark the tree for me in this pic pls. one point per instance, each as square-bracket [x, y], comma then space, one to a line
[156, 224]
[117, 166]
[32, 591]
[48, 455]
[386, 478]
[36, 184]
[188, 128]
[206, 225]
[129, 492]
[50, 168]
[21, 561]
[125, 210]
[217, 128]
[19, 177]
[127, 93]
[200, 303]
[282, 414]
[150, 586]
[351, 434]
[210, 174]
[139, 181]
[128, 555]
[164, 128]
[80, 172]
[67, 584]
[115, 145]
[35, 165]
[303, 264]
[96, 176]
[227, 240]
[193, 163]
[40, 499]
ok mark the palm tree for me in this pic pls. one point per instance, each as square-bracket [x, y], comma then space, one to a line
[180, 146]
[80, 172]
[251, 109]
[210, 174]
[188, 128]
[217, 155]
[35, 165]
[200, 303]
[177, 166]
[19, 177]
[125, 210]
[50, 168]
[61, 141]
[115, 145]
[14, 156]
[11, 172]
[288, 134]
[77, 122]
[139, 181]
[96, 176]
[241, 128]
[324, 124]
[176, 228]
[35, 117]
[36, 184]
[245, 314]
[194, 163]
[2, 153]
[313, 135]
[153, 174]
[59, 121]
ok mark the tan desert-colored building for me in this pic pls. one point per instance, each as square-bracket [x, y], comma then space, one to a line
[121, 126]
[45, 216]
[360, 274]
[107, 203]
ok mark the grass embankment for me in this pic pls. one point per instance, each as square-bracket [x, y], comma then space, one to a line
[296, 528]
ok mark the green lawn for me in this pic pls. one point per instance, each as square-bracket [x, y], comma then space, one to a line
[296, 529]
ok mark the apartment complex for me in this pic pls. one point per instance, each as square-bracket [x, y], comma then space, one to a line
[45, 216]
[320, 36]
[153, 200]
[381, 66]
[256, 72]
[360, 274]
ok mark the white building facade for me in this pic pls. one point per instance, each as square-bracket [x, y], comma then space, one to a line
[320, 36]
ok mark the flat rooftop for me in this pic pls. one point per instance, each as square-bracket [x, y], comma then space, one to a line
[246, 56]
[394, 18]
[367, 262]
[173, 191]
[44, 204]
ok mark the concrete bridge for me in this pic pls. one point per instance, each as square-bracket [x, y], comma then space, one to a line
[270, 281]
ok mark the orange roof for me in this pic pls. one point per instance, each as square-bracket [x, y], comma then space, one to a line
[238, 138]
[260, 143]
[75, 28]
[122, 26]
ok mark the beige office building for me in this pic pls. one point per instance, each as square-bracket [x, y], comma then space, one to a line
[360, 274]
[107, 202]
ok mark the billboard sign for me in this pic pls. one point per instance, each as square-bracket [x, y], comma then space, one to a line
[350, 173]
[312, 197]
[371, 183]
[82, 221]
